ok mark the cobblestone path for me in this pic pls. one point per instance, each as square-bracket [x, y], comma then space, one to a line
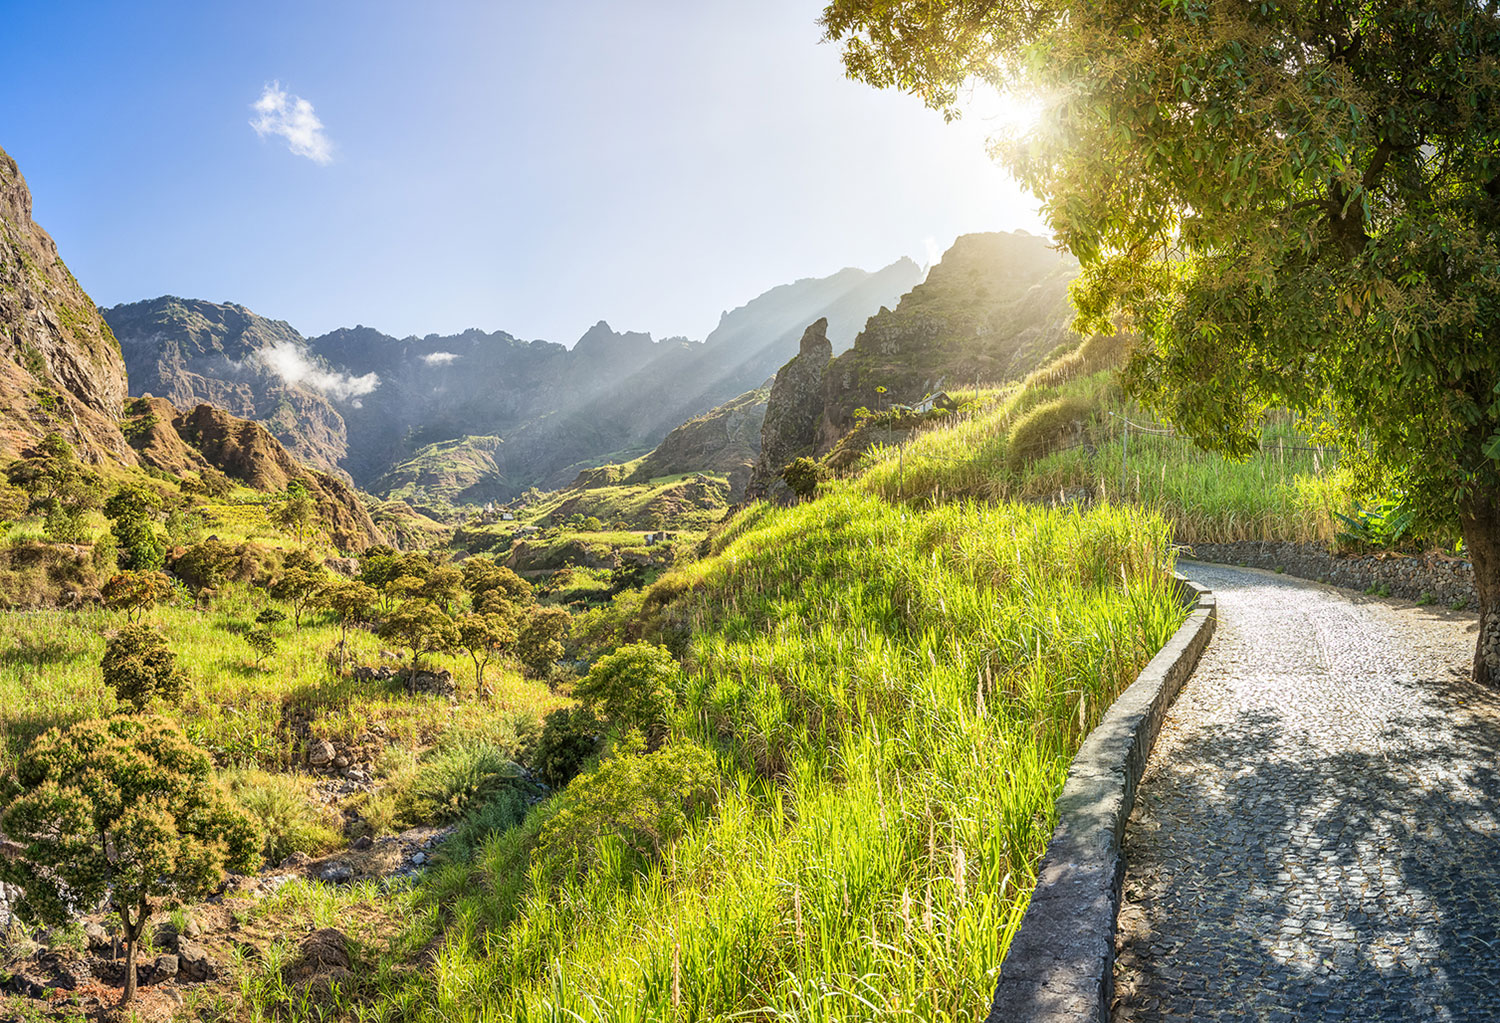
[1317, 836]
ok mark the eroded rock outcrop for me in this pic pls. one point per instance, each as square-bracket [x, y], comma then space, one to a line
[179, 442]
[793, 413]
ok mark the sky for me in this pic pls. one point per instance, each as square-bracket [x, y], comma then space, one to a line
[427, 168]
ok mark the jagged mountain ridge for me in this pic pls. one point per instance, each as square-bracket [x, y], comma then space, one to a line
[188, 351]
[400, 401]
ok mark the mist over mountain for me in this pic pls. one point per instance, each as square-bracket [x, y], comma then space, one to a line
[514, 413]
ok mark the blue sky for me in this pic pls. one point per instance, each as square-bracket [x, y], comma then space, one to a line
[528, 167]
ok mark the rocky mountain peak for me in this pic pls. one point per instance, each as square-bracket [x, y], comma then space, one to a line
[60, 367]
[815, 339]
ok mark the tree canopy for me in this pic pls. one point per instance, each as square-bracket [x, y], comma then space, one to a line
[124, 808]
[1291, 204]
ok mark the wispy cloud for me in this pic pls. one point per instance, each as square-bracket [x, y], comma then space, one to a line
[279, 113]
[291, 363]
[438, 358]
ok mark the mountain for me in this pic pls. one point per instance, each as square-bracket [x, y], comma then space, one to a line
[60, 366]
[179, 442]
[723, 440]
[189, 352]
[477, 416]
[991, 311]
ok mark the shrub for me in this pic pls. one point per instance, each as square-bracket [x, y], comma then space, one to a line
[634, 687]
[539, 640]
[139, 666]
[455, 781]
[1045, 429]
[645, 800]
[803, 476]
[283, 807]
[569, 738]
[136, 592]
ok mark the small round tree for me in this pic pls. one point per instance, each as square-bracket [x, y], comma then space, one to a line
[301, 582]
[539, 639]
[138, 665]
[123, 808]
[135, 592]
[634, 687]
[350, 601]
[421, 627]
[131, 510]
[483, 635]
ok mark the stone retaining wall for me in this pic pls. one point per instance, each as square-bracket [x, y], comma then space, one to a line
[1061, 962]
[1447, 580]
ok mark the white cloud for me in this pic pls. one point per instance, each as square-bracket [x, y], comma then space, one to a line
[439, 358]
[291, 117]
[291, 363]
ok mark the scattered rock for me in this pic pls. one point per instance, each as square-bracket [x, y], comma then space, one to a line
[319, 753]
[296, 859]
[98, 938]
[164, 968]
[321, 951]
[337, 873]
[419, 859]
[195, 962]
[362, 843]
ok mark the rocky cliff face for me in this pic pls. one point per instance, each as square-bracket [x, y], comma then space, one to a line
[179, 442]
[60, 368]
[992, 310]
[188, 351]
[793, 411]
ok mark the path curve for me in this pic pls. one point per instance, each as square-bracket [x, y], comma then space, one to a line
[1317, 836]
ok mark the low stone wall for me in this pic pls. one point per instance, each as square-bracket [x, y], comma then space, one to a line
[1447, 580]
[1060, 968]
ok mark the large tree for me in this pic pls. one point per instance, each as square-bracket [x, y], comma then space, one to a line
[124, 809]
[1293, 204]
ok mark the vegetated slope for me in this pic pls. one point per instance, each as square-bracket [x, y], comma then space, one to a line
[368, 402]
[60, 367]
[447, 472]
[189, 352]
[1060, 436]
[179, 442]
[891, 695]
[991, 311]
[725, 440]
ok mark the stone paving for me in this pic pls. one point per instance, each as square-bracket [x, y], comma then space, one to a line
[1317, 836]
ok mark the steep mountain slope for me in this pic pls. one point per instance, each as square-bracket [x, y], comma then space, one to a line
[724, 440]
[189, 351]
[392, 412]
[181, 442]
[60, 368]
[991, 311]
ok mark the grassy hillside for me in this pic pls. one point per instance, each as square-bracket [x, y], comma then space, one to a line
[1060, 435]
[889, 697]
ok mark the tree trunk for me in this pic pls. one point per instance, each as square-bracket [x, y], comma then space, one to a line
[1480, 521]
[132, 942]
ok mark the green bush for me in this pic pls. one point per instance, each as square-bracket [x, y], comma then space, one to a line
[635, 687]
[454, 782]
[644, 800]
[1045, 429]
[569, 738]
[283, 807]
[139, 666]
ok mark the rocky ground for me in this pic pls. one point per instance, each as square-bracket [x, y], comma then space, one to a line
[1317, 836]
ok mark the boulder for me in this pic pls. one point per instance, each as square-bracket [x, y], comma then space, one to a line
[320, 753]
[196, 965]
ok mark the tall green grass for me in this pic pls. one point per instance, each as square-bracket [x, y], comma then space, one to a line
[893, 694]
[1290, 490]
